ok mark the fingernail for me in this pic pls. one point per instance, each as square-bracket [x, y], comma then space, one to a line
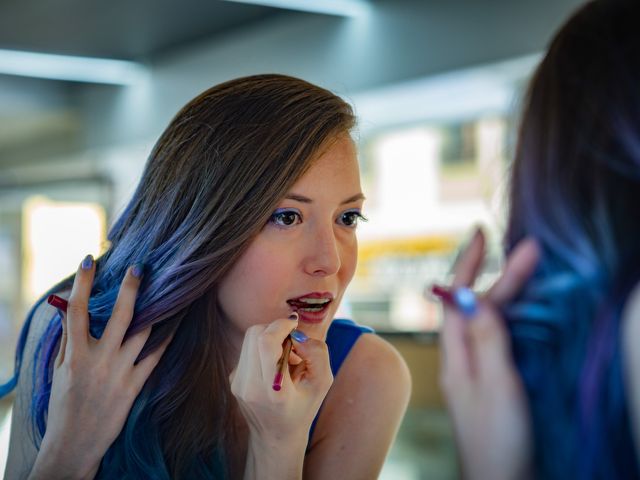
[137, 270]
[466, 301]
[294, 316]
[299, 336]
[87, 263]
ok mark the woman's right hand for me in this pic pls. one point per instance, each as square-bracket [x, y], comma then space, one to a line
[95, 382]
[279, 421]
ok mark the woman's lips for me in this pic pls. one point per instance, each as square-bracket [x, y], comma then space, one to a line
[311, 307]
[316, 316]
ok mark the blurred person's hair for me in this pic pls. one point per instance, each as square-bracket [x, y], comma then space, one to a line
[575, 187]
[209, 186]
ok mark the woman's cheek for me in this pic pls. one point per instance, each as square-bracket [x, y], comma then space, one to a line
[349, 261]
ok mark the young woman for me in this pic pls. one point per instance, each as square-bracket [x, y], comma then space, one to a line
[554, 391]
[242, 229]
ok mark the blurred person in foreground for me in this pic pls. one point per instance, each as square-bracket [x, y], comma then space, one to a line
[543, 380]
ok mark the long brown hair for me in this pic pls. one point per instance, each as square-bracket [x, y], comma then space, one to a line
[210, 184]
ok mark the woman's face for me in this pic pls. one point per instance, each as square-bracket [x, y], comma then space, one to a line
[305, 256]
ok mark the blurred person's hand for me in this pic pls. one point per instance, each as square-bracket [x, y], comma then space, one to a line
[95, 382]
[484, 392]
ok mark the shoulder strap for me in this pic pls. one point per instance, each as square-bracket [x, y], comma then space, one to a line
[341, 337]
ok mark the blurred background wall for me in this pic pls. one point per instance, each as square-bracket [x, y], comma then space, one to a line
[436, 85]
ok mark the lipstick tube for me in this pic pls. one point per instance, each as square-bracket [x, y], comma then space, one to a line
[462, 298]
[58, 302]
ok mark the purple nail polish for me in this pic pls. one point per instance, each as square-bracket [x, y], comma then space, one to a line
[87, 263]
[466, 300]
[137, 270]
[299, 336]
[294, 316]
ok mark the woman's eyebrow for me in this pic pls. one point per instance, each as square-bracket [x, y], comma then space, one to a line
[303, 199]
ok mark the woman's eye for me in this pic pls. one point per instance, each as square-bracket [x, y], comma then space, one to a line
[351, 218]
[285, 218]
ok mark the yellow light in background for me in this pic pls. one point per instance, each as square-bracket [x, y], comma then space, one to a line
[56, 237]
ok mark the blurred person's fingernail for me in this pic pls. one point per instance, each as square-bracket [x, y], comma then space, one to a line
[466, 300]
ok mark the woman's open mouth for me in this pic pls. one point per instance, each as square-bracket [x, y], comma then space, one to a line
[312, 307]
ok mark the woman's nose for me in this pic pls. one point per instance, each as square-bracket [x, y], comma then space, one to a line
[323, 254]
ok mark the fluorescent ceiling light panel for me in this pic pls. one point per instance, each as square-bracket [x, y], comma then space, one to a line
[343, 8]
[76, 69]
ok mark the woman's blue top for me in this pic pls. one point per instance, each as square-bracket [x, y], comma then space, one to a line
[341, 337]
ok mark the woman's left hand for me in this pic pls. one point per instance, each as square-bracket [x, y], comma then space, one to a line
[484, 392]
[279, 421]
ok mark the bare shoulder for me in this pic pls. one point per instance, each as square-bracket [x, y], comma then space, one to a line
[373, 365]
[374, 375]
[22, 449]
[361, 413]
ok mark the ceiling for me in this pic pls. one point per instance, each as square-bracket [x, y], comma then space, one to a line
[120, 29]
[36, 115]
